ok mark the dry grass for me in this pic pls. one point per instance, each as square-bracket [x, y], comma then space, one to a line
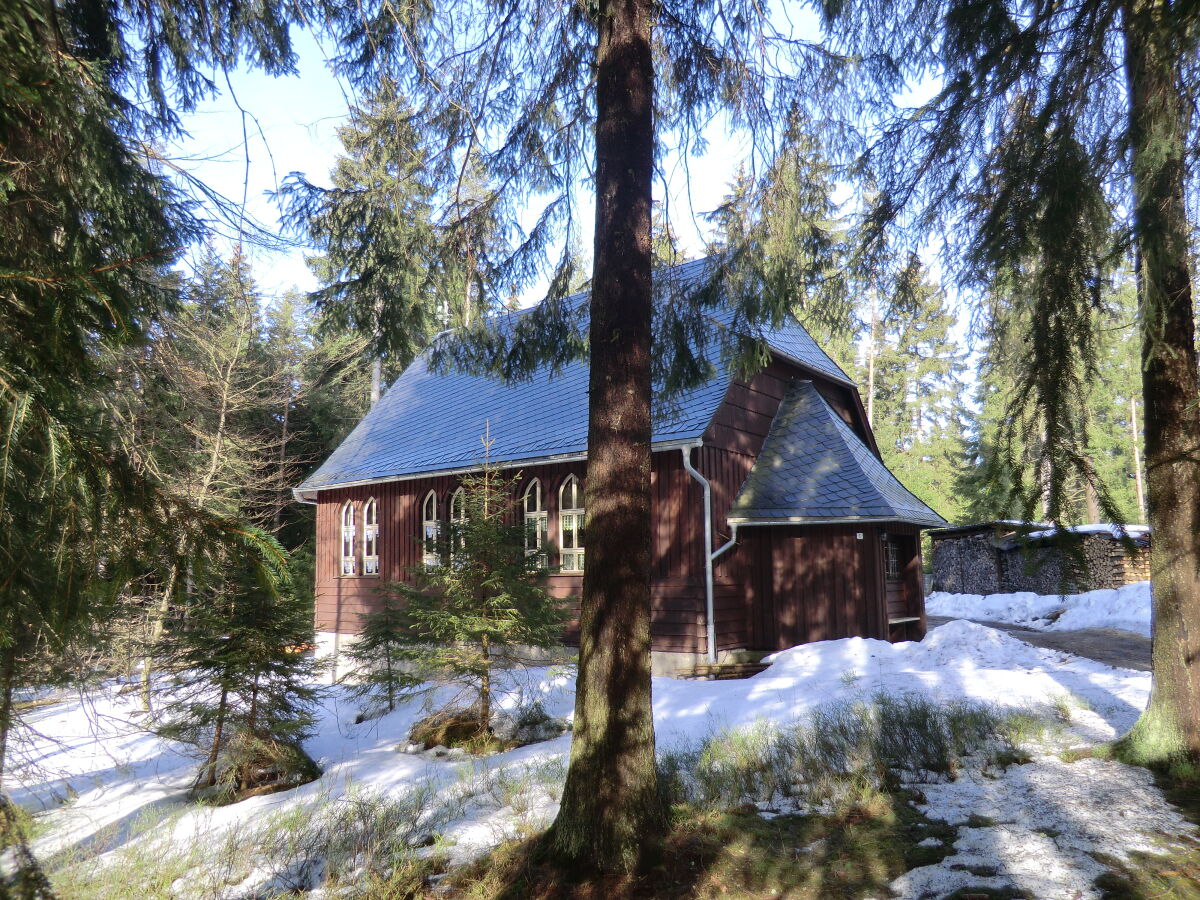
[734, 855]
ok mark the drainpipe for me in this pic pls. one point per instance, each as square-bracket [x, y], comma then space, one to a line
[709, 556]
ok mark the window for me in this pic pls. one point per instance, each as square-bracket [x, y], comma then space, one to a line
[458, 519]
[891, 565]
[570, 525]
[431, 531]
[371, 538]
[349, 562]
[536, 520]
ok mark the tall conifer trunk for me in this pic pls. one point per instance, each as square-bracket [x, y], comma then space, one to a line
[611, 811]
[1170, 728]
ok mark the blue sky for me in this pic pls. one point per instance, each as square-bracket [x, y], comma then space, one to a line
[290, 125]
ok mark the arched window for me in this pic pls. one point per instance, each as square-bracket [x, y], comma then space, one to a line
[431, 531]
[570, 525]
[458, 519]
[371, 538]
[536, 519]
[349, 561]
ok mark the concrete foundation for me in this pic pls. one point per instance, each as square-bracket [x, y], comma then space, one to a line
[330, 645]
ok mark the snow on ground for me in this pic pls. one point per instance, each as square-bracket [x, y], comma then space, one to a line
[91, 753]
[1117, 531]
[1126, 608]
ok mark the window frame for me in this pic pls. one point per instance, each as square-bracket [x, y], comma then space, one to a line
[893, 570]
[431, 531]
[457, 517]
[349, 557]
[537, 521]
[571, 556]
[370, 537]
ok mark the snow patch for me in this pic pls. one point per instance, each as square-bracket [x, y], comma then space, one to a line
[1127, 608]
[88, 760]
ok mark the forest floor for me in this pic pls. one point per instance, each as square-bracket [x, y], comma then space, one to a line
[1044, 819]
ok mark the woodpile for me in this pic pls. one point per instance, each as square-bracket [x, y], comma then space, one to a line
[1007, 557]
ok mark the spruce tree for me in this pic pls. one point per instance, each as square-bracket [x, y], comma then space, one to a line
[787, 229]
[243, 692]
[915, 390]
[476, 611]
[88, 224]
[382, 653]
[560, 94]
[1056, 127]
[389, 271]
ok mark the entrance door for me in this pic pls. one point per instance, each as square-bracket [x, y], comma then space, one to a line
[899, 553]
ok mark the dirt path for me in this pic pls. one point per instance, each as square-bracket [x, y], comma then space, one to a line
[1107, 645]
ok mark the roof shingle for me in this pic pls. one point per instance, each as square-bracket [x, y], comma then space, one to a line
[814, 467]
[432, 422]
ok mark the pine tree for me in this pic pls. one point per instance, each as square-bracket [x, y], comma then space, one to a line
[473, 613]
[243, 691]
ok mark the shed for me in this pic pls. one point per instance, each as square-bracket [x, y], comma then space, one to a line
[1003, 557]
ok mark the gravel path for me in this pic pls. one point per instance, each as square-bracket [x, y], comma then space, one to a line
[1107, 645]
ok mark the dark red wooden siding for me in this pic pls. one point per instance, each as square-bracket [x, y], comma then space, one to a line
[789, 584]
[678, 593]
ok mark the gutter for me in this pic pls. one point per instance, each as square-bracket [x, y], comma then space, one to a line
[710, 555]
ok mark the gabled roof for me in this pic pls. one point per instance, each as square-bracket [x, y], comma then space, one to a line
[814, 468]
[431, 422]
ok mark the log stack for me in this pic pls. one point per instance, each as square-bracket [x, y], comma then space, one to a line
[1007, 557]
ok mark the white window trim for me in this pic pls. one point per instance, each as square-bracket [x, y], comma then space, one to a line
[891, 554]
[537, 520]
[570, 558]
[371, 537]
[458, 517]
[349, 523]
[431, 530]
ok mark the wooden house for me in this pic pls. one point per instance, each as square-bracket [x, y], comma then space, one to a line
[775, 522]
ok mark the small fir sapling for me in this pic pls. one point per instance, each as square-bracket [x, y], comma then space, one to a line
[384, 671]
[472, 613]
[244, 690]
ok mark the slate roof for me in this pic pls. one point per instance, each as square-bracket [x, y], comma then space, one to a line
[430, 422]
[813, 467]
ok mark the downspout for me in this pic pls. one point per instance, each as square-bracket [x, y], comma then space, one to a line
[709, 555]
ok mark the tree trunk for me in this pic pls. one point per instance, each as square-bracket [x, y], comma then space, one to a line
[485, 687]
[1135, 441]
[1168, 732]
[611, 813]
[218, 731]
[376, 380]
[872, 352]
[283, 493]
[8, 671]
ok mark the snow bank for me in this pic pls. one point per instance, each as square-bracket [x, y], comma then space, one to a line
[1127, 608]
[88, 760]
